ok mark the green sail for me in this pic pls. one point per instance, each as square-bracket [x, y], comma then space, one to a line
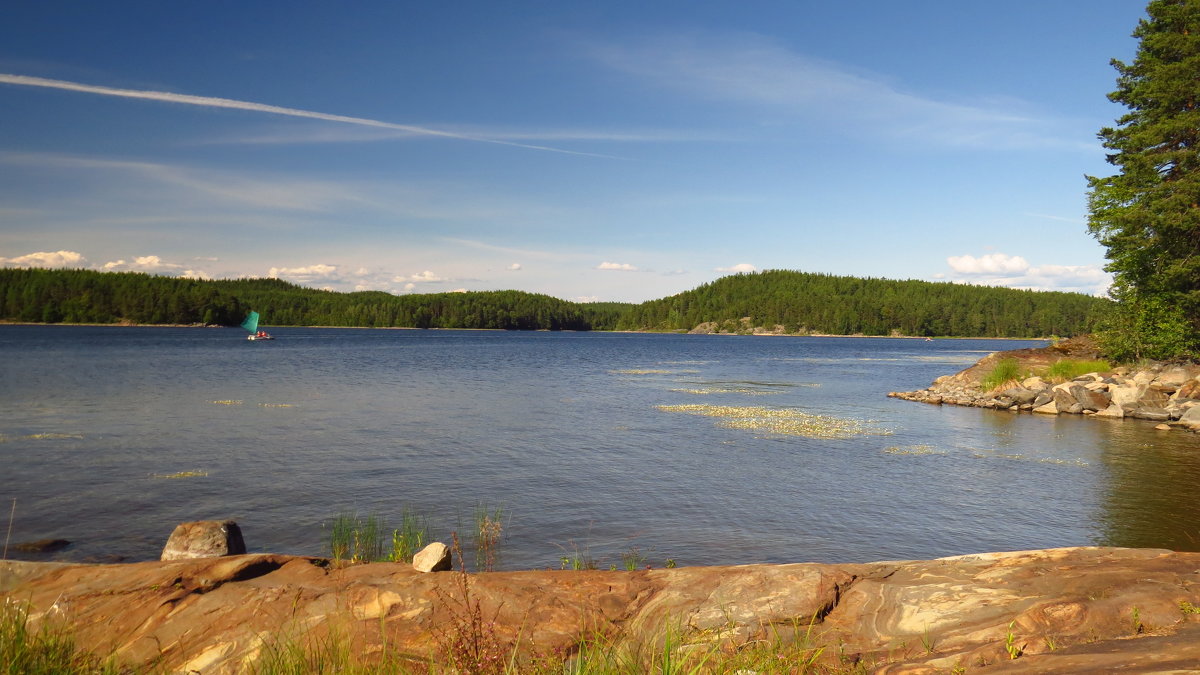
[251, 322]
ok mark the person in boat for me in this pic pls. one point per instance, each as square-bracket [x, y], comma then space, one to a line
[262, 333]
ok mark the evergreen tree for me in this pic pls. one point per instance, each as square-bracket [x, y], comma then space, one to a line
[1148, 214]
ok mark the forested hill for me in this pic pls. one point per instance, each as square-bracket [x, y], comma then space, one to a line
[821, 303]
[797, 301]
[84, 296]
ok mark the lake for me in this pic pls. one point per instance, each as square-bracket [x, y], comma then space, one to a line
[703, 449]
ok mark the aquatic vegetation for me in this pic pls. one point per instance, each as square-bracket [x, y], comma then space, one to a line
[356, 539]
[745, 391]
[913, 450]
[1017, 457]
[195, 473]
[277, 405]
[781, 421]
[411, 537]
[53, 437]
[227, 402]
[489, 527]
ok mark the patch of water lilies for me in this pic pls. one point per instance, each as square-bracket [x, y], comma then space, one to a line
[277, 405]
[781, 421]
[228, 402]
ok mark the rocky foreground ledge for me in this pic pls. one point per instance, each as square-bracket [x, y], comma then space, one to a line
[1165, 393]
[1069, 610]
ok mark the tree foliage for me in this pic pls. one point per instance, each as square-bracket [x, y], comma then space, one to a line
[840, 305]
[84, 296]
[798, 301]
[1148, 214]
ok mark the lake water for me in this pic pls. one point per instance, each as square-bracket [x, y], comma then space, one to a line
[704, 449]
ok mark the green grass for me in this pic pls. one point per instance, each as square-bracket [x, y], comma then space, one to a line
[1069, 369]
[45, 650]
[1007, 370]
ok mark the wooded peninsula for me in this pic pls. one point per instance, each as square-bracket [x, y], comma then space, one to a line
[777, 301]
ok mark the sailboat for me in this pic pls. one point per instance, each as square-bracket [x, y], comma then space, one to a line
[251, 325]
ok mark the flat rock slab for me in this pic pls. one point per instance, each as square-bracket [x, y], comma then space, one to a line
[1058, 610]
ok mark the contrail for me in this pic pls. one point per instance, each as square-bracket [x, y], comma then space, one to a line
[214, 102]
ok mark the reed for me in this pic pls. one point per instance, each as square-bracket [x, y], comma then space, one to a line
[411, 537]
[357, 539]
[489, 528]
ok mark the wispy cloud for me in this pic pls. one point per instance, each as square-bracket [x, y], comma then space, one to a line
[289, 194]
[300, 134]
[216, 102]
[754, 70]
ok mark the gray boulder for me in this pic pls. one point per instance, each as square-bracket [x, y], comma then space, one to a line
[204, 539]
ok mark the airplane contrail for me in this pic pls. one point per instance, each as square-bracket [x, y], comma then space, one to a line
[215, 102]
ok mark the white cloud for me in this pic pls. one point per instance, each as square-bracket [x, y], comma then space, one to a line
[148, 263]
[992, 263]
[999, 269]
[740, 268]
[305, 275]
[196, 274]
[620, 267]
[426, 277]
[459, 290]
[586, 298]
[46, 259]
[515, 267]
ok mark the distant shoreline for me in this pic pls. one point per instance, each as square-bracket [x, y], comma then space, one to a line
[541, 330]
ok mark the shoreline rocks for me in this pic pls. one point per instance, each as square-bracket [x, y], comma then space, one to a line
[1163, 393]
[1068, 610]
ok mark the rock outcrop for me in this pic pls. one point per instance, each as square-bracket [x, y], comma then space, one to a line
[1051, 611]
[1159, 392]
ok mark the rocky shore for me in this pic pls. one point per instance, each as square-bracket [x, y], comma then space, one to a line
[1068, 610]
[1160, 392]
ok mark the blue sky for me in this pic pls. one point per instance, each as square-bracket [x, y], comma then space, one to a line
[607, 151]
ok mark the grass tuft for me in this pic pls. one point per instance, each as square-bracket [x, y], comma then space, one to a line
[1069, 369]
[1007, 370]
